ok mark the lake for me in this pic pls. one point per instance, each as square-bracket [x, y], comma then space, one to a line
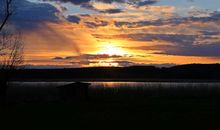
[48, 92]
[119, 84]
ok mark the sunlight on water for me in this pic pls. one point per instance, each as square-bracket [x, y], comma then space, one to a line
[22, 92]
[151, 84]
[117, 84]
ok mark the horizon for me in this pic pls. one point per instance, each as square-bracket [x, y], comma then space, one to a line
[70, 67]
[118, 33]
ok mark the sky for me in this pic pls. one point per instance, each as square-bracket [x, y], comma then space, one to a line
[85, 33]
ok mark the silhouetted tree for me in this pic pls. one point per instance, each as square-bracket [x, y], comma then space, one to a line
[6, 10]
[11, 47]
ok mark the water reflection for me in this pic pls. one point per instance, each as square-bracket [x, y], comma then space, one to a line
[118, 84]
[48, 92]
[151, 84]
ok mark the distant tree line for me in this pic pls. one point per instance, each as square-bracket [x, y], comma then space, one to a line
[193, 72]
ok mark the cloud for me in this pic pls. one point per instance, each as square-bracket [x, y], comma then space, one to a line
[99, 60]
[30, 15]
[96, 60]
[111, 1]
[111, 11]
[58, 58]
[182, 45]
[125, 63]
[88, 57]
[147, 2]
[137, 2]
[116, 63]
[211, 50]
[132, 23]
[103, 8]
[96, 24]
[204, 44]
[76, 2]
[213, 17]
[132, 2]
[73, 19]
[172, 38]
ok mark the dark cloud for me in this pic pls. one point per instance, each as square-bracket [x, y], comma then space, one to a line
[96, 24]
[205, 44]
[2, 10]
[111, 11]
[185, 46]
[207, 50]
[147, 2]
[125, 63]
[30, 15]
[214, 17]
[108, 63]
[160, 22]
[111, 1]
[171, 38]
[76, 2]
[88, 6]
[132, 2]
[99, 59]
[88, 57]
[85, 15]
[210, 33]
[79, 2]
[58, 58]
[73, 19]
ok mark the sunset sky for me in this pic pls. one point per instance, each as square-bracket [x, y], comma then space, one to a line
[81, 33]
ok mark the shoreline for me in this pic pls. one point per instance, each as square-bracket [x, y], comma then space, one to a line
[120, 80]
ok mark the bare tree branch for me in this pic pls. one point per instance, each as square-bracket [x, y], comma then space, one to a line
[8, 12]
[11, 50]
[11, 45]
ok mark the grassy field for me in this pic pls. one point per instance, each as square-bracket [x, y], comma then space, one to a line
[156, 113]
[184, 108]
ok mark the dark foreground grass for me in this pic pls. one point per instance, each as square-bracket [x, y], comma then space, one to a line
[154, 113]
[183, 108]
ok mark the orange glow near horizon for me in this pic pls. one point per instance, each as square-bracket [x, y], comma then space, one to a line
[88, 33]
[111, 48]
[62, 41]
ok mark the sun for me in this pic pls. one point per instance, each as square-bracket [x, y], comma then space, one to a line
[111, 49]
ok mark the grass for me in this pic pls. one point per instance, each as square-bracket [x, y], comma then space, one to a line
[153, 113]
[182, 108]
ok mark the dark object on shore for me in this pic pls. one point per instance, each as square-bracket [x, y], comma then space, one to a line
[74, 92]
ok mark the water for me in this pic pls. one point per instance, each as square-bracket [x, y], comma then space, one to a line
[47, 91]
[118, 84]
[151, 84]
